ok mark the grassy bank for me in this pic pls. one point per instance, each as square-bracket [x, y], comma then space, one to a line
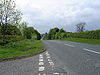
[80, 40]
[24, 47]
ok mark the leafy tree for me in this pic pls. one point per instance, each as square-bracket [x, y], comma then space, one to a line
[9, 33]
[55, 33]
[62, 30]
[22, 26]
[37, 34]
[9, 16]
[52, 32]
[31, 33]
[9, 30]
[60, 34]
[27, 32]
[8, 13]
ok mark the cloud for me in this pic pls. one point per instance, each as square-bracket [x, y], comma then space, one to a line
[47, 14]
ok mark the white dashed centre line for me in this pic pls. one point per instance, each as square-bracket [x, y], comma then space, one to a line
[69, 45]
[91, 51]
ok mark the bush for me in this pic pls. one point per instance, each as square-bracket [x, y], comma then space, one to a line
[9, 30]
[62, 34]
[9, 38]
[86, 35]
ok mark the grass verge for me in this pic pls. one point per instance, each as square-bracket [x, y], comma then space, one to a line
[20, 48]
[80, 40]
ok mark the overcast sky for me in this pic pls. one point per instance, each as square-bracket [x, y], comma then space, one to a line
[46, 14]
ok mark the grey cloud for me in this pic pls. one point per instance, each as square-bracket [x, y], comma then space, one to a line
[87, 12]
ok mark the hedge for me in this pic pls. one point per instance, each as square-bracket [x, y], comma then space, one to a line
[9, 38]
[86, 35]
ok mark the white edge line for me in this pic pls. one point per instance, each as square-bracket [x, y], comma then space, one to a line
[91, 51]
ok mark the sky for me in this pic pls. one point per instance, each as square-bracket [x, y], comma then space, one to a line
[46, 14]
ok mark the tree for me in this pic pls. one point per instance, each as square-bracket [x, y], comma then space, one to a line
[31, 33]
[9, 30]
[27, 32]
[62, 30]
[22, 26]
[8, 13]
[37, 34]
[52, 32]
[80, 27]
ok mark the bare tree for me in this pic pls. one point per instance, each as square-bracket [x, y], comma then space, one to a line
[80, 27]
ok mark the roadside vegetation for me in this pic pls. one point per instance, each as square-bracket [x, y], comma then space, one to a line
[20, 48]
[16, 38]
[80, 40]
[90, 37]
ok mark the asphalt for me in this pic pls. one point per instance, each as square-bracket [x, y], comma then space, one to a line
[61, 58]
[75, 58]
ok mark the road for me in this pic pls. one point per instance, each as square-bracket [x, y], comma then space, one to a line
[61, 58]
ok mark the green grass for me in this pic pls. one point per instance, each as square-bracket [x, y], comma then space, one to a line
[80, 40]
[19, 48]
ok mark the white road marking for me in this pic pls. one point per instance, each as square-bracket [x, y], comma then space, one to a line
[47, 53]
[44, 74]
[48, 57]
[69, 45]
[55, 73]
[41, 68]
[91, 51]
[41, 63]
[49, 60]
[41, 55]
[40, 60]
[51, 63]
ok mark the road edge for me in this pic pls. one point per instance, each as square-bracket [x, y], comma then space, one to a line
[23, 56]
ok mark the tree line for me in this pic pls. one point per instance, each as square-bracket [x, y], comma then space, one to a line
[57, 33]
[12, 29]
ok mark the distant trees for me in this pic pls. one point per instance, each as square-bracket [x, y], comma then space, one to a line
[80, 27]
[31, 33]
[56, 33]
[52, 32]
